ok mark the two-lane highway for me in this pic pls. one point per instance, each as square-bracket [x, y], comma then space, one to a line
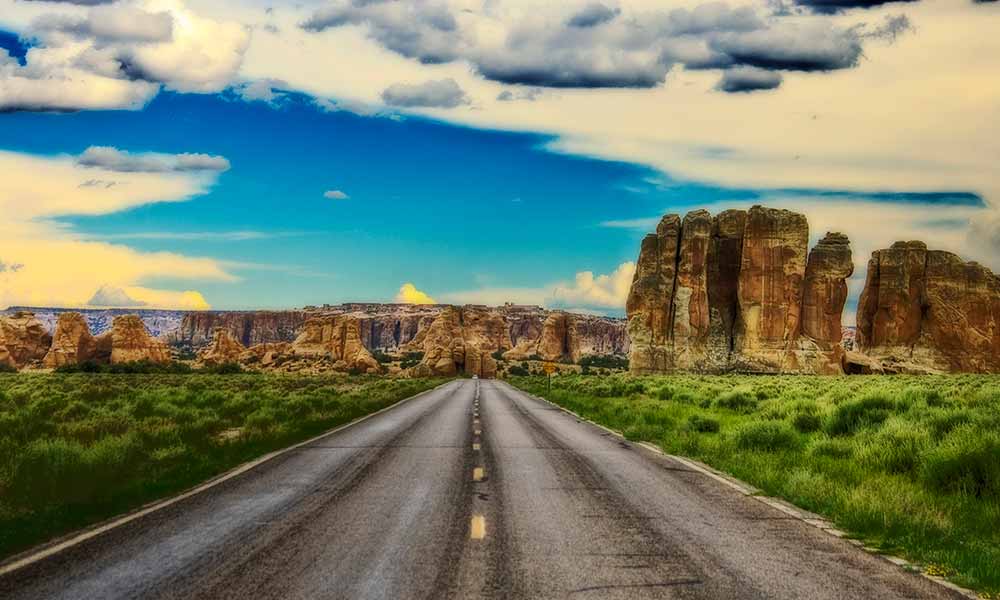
[459, 493]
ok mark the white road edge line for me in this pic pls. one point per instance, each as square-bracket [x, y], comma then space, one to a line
[811, 519]
[31, 556]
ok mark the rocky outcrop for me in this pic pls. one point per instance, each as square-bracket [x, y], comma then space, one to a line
[461, 340]
[336, 339]
[224, 349]
[131, 342]
[825, 290]
[558, 341]
[197, 329]
[72, 343]
[727, 294]
[23, 339]
[929, 311]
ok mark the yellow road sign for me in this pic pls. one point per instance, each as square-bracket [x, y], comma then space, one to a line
[550, 368]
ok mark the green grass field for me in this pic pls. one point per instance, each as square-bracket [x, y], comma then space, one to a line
[911, 465]
[76, 449]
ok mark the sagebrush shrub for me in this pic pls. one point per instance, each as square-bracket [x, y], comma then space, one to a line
[966, 461]
[852, 415]
[766, 435]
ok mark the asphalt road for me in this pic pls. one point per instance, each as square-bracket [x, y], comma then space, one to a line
[444, 496]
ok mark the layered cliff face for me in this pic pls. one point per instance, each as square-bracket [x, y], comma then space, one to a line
[337, 339]
[23, 339]
[929, 311]
[247, 327]
[559, 340]
[395, 327]
[726, 293]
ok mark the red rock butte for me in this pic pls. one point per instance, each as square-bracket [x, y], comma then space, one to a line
[741, 292]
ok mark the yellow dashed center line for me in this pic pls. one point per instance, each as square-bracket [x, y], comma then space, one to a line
[477, 529]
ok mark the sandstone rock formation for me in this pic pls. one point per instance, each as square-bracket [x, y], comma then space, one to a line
[929, 311]
[391, 327]
[131, 342]
[23, 339]
[825, 291]
[726, 293]
[337, 339]
[558, 341]
[461, 340]
[72, 343]
[224, 349]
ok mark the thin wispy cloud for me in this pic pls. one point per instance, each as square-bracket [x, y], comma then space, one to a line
[210, 236]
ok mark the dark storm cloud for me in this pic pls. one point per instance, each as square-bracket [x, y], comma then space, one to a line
[599, 46]
[593, 15]
[793, 48]
[748, 79]
[835, 6]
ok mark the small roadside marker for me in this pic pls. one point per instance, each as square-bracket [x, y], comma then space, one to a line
[475, 447]
[478, 474]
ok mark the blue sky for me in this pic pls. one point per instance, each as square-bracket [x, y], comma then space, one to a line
[232, 155]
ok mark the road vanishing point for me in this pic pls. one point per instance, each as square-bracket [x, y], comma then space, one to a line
[459, 493]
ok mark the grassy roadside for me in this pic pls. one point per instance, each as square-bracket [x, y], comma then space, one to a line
[76, 449]
[909, 464]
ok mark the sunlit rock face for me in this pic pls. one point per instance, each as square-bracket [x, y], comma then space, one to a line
[929, 311]
[224, 349]
[23, 339]
[131, 342]
[338, 339]
[72, 342]
[727, 293]
[461, 340]
[558, 341]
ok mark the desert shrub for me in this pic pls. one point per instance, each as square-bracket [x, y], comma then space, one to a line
[765, 435]
[942, 421]
[830, 447]
[807, 422]
[498, 354]
[703, 424]
[48, 470]
[381, 356]
[605, 361]
[666, 392]
[896, 447]
[967, 461]
[518, 371]
[852, 415]
[740, 400]
[7, 368]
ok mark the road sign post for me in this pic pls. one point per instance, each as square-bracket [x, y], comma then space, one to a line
[550, 368]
